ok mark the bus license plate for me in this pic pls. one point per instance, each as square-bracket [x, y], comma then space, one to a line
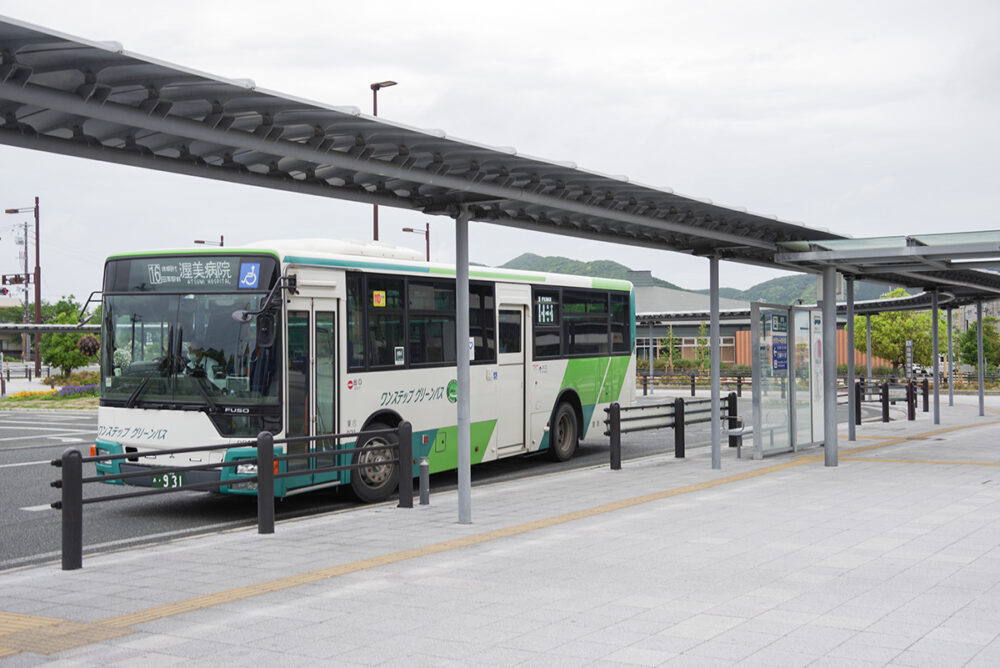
[168, 480]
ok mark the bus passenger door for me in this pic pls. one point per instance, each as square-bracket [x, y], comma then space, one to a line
[311, 377]
[510, 356]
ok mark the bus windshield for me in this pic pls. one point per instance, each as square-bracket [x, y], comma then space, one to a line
[184, 351]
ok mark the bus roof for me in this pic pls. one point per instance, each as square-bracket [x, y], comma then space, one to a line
[380, 256]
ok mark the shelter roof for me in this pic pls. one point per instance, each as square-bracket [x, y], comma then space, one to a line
[950, 262]
[90, 99]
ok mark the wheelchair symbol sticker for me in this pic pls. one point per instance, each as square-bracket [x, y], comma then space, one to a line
[249, 275]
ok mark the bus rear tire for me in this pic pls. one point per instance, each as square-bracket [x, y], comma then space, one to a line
[376, 481]
[563, 435]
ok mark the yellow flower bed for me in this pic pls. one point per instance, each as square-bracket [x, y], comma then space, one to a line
[28, 394]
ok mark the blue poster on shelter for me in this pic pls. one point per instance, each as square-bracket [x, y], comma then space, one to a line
[779, 352]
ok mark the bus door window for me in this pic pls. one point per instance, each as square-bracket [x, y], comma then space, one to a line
[510, 331]
[326, 379]
[298, 385]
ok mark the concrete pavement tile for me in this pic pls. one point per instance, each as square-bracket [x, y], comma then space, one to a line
[636, 656]
[856, 649]
[540, 641]
[923, 660]
[777, 658]
[949, 650]
[150, 660]
[849, 616]
[696, 661]
[703, 627]
[844, 662]
[584, 649]
[499, 656]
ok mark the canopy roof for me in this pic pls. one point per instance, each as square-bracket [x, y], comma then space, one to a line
[948, 261]
[95, 100]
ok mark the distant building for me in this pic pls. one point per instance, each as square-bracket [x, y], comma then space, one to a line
[10, 344]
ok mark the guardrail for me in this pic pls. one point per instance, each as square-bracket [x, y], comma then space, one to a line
[690, 380]
[676, 414]
[884, 395]
[71, 481]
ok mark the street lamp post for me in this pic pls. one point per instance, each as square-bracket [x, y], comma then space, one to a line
[220, 242]
[427, 236]
[376, 87]
[37, 277]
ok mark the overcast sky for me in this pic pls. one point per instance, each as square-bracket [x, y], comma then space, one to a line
[865, 118]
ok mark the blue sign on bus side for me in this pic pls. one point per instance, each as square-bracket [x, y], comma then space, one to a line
[779, 353]
[249, 275]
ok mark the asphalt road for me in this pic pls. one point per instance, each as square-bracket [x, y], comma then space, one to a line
[30, 530]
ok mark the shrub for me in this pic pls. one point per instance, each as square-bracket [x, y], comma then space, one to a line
[78, 391]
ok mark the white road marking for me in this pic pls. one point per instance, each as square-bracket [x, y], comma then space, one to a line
[55, 428]
[62, 433]
[10, 466]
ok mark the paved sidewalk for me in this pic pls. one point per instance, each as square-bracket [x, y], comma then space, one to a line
[891, 558]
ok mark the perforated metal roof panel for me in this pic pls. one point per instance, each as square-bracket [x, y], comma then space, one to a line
[95, 100]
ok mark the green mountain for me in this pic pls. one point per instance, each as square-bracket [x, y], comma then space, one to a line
[783, 290]
[564, 265]
[790, 289]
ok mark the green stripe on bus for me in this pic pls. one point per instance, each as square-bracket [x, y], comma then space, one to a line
[611, 284]
[355, 264]
[443, 451]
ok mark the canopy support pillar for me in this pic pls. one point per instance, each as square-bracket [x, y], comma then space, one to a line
[951, 364]
[714, 344]
[829, 366]
[462, 361]
[979, 360]
[936, 367]
[851, 396]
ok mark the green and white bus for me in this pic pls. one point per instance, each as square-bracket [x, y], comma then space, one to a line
[313, 336]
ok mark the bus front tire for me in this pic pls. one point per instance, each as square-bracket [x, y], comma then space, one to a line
[563, 436]
[377, 476]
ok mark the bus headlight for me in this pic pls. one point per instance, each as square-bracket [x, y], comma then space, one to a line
[246, 469]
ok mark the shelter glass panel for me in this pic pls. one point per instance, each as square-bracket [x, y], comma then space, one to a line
[773, 432]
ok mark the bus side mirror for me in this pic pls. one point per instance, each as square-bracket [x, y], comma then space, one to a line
[265, 330]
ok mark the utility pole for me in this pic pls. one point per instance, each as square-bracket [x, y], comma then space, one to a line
[24, 339]
[37, 279]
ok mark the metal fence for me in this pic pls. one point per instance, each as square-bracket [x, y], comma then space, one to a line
[676, 415]
[267, 466]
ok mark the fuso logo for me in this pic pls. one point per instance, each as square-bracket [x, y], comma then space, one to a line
[350, 384]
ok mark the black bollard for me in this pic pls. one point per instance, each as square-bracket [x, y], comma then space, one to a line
[405, 434]
[927, 405]
[885, 402]
[733, 423]
[265, 482]
[679, 427]
[425, 481]
[857, 403]
[615, 433]
[72, 510]
[692, 385]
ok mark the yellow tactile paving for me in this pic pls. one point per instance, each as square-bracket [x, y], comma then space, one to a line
[46, 636]
[13, 623]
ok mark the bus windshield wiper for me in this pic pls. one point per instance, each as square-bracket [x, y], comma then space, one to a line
[139, 388]
[198, 380]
